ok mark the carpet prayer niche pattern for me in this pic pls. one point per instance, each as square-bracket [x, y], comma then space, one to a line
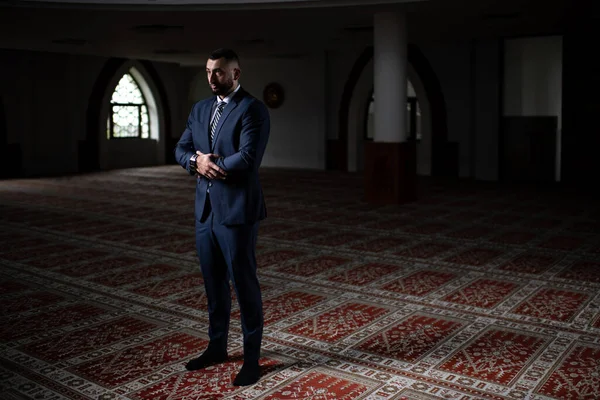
[475, 291]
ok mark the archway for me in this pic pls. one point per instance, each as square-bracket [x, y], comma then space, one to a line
[97, 151]
[358, 119]
[357, 91]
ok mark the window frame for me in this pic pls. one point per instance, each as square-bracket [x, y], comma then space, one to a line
[111, 122]
[412, 130]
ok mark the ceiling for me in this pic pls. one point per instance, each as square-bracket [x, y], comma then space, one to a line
[185, 33]
[225, 4]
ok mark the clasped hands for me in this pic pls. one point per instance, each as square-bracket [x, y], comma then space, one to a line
[206, 167]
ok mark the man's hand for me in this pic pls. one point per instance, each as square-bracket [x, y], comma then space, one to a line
[206, 166]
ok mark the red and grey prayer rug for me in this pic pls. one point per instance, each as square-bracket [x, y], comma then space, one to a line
[475, 291]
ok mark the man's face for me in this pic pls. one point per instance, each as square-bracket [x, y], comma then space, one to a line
[222, 76]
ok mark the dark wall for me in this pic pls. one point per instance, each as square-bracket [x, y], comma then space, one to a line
[10, 153]
[50, 104]
[581, 101]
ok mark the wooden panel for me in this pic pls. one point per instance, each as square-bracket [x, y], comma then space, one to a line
[390, 172]
[528, 149]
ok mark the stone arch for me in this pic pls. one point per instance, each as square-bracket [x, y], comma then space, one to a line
[358, 88]
[94, 152]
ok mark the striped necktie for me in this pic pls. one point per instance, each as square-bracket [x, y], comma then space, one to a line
[215, 121]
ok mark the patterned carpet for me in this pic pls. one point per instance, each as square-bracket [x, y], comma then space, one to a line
[477, 291]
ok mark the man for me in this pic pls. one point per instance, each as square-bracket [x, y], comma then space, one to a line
[223, 145]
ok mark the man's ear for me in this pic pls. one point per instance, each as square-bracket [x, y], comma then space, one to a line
[236, 73]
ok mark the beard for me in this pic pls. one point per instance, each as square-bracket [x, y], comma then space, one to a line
[222, 89]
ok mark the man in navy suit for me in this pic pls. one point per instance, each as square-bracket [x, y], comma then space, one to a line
[223, 145]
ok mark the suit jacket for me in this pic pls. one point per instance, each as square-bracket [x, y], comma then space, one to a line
[240, 140]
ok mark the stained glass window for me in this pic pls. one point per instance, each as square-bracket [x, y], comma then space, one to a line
[129, 113]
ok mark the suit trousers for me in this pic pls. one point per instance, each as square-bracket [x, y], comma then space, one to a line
[229, 253]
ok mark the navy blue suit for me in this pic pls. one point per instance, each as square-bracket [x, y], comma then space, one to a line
[228, 212]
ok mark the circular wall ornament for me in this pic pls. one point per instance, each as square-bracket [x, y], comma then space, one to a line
[273, 95]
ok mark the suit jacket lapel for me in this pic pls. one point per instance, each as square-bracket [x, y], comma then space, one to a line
[206, 125]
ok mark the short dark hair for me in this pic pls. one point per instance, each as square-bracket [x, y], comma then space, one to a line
[227, 54]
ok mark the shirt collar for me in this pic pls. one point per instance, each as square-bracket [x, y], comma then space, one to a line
[228, 98]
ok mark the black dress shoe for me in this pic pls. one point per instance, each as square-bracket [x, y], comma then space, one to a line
[209, 357]
[248, 375]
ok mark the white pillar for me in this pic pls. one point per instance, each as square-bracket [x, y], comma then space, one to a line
[390, 63]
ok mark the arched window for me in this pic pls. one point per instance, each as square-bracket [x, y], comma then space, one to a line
[128, 116]
[413, 115]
